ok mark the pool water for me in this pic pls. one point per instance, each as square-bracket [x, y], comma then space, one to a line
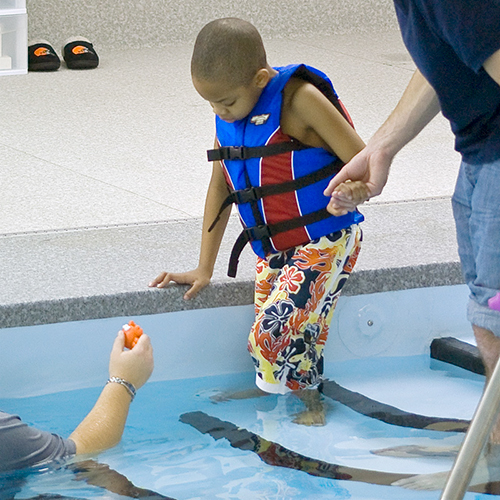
[162, 454]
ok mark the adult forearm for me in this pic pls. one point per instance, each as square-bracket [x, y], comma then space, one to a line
[416, 108]
[492, 66]
[103, 427]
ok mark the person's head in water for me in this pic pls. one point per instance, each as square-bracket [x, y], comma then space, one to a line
[229, 67]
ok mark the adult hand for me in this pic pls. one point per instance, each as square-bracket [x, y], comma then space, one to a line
[197, 278]
[135, 365]
[348, 196]
[370, 166]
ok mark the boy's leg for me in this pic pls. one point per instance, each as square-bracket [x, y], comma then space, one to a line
[287, 339]
[265, 276]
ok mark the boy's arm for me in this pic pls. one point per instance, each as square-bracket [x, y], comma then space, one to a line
[210, 241]
[417, 107]
[314, 120]
[310, 117]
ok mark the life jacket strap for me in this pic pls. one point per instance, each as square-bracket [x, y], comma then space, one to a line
[267, 231]
[247, 152]
[253, 194]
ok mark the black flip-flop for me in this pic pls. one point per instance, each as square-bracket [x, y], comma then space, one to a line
[42, 57]
[79, 53]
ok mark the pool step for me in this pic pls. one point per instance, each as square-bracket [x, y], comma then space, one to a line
[458, 353]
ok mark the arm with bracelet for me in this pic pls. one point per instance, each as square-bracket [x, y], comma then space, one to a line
[129, 370]
[23, 446]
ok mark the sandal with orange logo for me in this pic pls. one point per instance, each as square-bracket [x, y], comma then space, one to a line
[79, 53]
[42, 57]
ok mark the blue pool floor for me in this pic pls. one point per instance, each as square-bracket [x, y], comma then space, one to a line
[160, 453]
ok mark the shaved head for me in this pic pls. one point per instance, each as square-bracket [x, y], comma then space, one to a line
[228, 50]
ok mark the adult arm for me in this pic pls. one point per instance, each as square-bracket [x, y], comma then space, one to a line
[23, 446]
[103, 427]
[492, 66]
[416, 108]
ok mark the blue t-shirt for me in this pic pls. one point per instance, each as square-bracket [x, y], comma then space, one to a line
[450, 40]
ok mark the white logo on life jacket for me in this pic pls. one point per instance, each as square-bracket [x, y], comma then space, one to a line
[260, 119]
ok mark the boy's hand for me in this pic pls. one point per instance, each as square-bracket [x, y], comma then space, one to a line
[347, 196]
[371, 165]
[197, 278]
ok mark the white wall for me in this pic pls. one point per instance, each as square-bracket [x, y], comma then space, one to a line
[51, 358]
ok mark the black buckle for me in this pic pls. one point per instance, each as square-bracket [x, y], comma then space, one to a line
[258, 232]
[245, 195]
[235, 153]
[227, 153]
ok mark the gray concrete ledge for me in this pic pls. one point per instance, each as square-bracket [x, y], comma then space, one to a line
[103, 272]
[218, 294]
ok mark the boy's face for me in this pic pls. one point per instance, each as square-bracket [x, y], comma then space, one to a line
[228, 102]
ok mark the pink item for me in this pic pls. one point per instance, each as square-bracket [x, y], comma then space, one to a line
[494, 302]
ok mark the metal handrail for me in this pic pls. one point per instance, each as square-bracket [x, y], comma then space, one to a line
[475, 439]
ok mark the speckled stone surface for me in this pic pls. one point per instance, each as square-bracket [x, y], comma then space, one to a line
[98, 273]
[145, 23]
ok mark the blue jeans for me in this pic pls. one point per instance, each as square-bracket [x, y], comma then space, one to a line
[476, 208]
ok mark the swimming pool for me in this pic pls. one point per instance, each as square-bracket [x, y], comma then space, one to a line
[178, 441]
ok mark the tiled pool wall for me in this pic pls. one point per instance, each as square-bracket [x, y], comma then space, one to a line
[145, 23]
[49, 358]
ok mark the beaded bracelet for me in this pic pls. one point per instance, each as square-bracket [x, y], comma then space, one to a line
[130, 387]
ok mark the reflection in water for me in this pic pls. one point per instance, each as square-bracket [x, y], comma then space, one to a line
[90, 471]
[390, 414]
[101, 475]
[275, 454]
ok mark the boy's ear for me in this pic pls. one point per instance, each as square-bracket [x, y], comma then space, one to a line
[262, 78]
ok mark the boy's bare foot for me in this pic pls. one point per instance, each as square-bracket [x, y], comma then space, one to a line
[310, 418]
[255, 392]
[415, 451]
[315, 413]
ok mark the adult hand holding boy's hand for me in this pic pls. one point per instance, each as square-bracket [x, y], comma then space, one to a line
[197, 278]
[348, 196]
[371, 166]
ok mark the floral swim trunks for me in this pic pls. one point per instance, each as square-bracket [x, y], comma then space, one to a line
[295, 295]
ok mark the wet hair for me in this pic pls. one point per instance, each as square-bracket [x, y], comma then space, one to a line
[228, 50]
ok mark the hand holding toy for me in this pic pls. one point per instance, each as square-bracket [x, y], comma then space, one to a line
[132, 333]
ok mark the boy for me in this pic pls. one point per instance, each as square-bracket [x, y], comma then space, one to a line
[289, 122]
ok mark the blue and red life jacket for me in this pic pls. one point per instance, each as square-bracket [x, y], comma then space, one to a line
[277, 182]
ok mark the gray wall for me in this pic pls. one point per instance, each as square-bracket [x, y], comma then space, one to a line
[149, 23]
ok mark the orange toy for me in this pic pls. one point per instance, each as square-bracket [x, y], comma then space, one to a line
[132, 333]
